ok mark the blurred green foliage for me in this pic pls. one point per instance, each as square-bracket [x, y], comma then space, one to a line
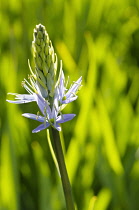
[100, 41]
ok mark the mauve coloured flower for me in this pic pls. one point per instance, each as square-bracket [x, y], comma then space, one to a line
[50, 93]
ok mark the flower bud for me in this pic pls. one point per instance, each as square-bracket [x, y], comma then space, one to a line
[45, 59]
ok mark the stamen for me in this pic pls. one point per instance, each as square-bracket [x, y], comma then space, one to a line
[28, 89]
[33, 83]
[28, 83]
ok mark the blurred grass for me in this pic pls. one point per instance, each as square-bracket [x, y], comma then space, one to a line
[100, 41]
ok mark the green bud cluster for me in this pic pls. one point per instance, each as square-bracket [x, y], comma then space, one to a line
[45, 59]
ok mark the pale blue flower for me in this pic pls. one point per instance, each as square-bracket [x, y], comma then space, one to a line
[50, 117]
[32, 89]
[22, 98]
[66, 96]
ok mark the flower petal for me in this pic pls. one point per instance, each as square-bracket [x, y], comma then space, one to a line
[74, 88]
[55, 108]
[34, 117]
[43, 105]
[25, 96]
[21, 98]
[65, 118]
[61, 85]
[70, 99]
[18, 101]
[40, 102]
[40, 128]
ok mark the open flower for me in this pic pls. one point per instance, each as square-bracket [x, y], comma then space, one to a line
[50, 117]
[21, 98]
[67, 95]
[32, 88]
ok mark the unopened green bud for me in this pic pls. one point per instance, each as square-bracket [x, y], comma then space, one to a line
[45, 68]
[49, 59]
[50, 84]
[41, 76]
[42, 55]
[45, 58]
[47, 38]
[42, 43]
[46, 50]
[40, 35]
[38, 62]
[38, 48]
[38, 41]
[52, 69]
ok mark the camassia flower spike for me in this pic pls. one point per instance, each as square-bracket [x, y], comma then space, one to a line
[50, 93]
[47, 88]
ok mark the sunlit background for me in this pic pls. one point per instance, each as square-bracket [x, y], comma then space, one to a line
[99, 40]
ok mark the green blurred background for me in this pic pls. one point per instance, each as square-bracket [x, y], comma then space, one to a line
[99, 40]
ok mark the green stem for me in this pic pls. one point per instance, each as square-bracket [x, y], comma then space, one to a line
[55, 138]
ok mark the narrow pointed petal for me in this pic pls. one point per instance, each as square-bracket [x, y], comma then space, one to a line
[65, 118]
[74, 88]
[43, 105]
[25, 97]
[34, 117]
[21, 98]
[62, 88]
[70, 99]
[19, 101]
[40, 102]
[55, 108]
[40, 128]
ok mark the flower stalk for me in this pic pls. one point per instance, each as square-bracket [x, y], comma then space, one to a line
[55, 138]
